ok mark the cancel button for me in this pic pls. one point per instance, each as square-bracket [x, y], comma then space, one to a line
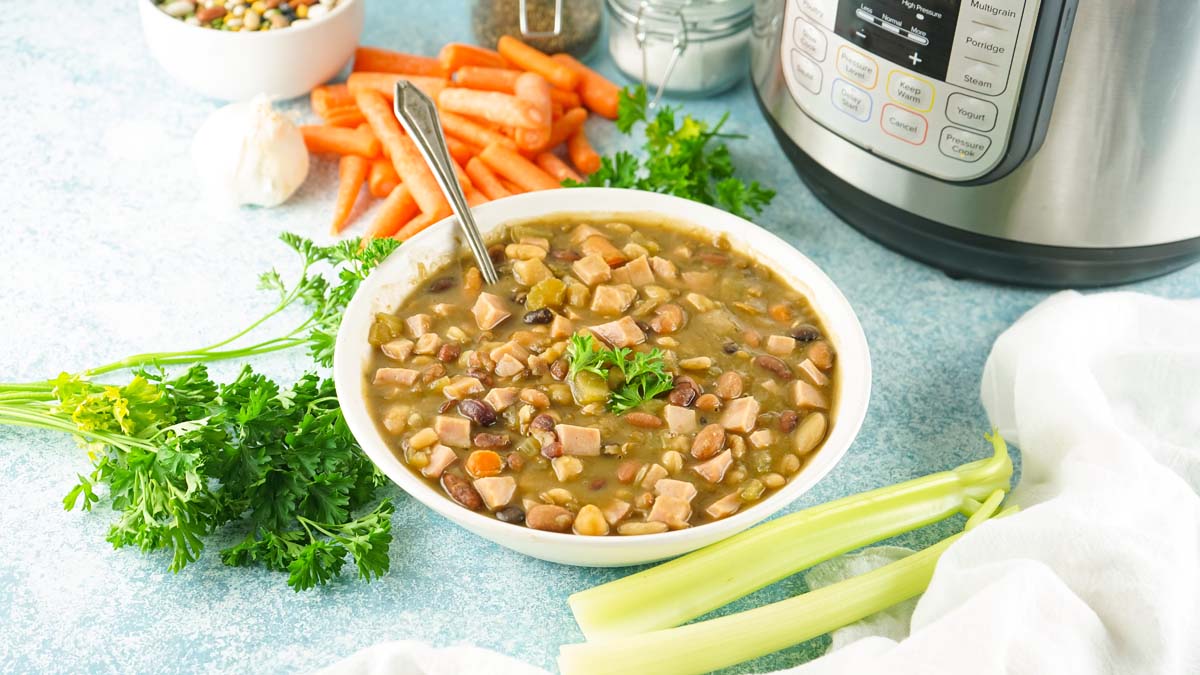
[963, 145]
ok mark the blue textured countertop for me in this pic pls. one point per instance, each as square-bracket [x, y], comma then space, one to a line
[107, 250]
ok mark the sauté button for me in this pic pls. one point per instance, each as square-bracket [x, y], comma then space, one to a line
[971, 112]
[906, 125]
[806, 71]
[910, 90]
[963, 145]
[857, 66]
[851, 100]
[810, 39]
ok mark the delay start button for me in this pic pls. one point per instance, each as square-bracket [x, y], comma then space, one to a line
[963, 145]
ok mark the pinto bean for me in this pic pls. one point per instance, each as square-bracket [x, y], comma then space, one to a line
[542, 422]
[480, 412]
[491, 441]
[729, 385]
[552, 450]
[708, 442]
[535, 398]
[550, 518]
[775, 365]
[559, 369]
[788, 420]
[433, 372]
[821, 354]
[484, 377]
[627, 470]
[708, 403]
[667, 319]
[684, 393]
[644, 420]
[805, 333]
[440, 284]
[449, 352]
[461, 491]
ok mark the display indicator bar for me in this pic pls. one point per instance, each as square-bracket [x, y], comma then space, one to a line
[866, 15]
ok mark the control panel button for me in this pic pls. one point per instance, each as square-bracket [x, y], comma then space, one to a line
[810, 39]
[986, 42]
[806, 71]
[963, 145]
[904, 124]
[983, 77]
[851, 100]
[910, 90]
[857, 66]
[1003, 15]
[971, 112]
[822, 11]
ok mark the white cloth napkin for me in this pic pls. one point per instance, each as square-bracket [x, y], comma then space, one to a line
[1098, 573]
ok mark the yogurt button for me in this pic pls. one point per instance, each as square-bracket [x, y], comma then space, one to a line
[969, 111]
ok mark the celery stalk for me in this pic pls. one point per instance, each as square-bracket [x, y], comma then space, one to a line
[695, 584]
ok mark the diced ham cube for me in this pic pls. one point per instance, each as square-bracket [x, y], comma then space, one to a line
[620, 275]
[501, 398]
[623, 332]
[399, 350]
[655, 473]
[807, 397]
[714, 469]
[612, 300]
[405, 377]
[512, 347]
[561, 327]
[761, 438]
[780, 345]
[462, 387]
[529, 272]
[489, 311]
[576, 440]
[639, 271]
[440, 458]
[601, 246]
[579, 234]
[615, 511]
[725, 506]
[670, 487]
[673, 511]
[741, 414]
[508, 365]
[701, 281]
[664, 269]
[680, 420]
[497, 491]
[591, 270]
[813, 373]
[428, 343]
[453, 431]
[419, 324]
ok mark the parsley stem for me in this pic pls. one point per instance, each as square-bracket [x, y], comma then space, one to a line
[24, 416]
[46, 385]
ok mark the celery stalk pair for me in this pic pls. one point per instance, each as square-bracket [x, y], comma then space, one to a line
[630, 623]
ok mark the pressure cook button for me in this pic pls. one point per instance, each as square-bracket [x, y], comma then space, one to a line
[971, 112]
[806, 71]
[963, 145]
[857, 66]
[910, 90]
[851, 100]
[903, 124]
[821, 11]
[810, 39]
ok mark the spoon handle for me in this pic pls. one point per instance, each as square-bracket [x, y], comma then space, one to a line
[419, 117]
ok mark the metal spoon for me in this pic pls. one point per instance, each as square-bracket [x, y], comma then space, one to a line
[419, 117]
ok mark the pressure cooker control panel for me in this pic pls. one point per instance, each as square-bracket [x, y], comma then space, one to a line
[932, 85]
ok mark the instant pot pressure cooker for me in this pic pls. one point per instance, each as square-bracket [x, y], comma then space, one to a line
[1049, 142]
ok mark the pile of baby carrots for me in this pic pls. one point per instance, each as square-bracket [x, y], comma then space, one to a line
[507, 115]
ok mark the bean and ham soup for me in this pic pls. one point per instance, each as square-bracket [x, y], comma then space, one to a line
[622, 378]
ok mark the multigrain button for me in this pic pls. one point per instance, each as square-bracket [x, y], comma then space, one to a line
[906, 125]
[810, 39]
[971, 112]
[963, 145]
[857, 66]
[807, 72]
[851, 100]
[1003, 15]
[821, 11]
[910, 90]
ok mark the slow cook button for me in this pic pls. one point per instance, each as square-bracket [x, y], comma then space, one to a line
[910, 90]
[857, 66]
[821, 11]
[807, 72]
[810, 39]
[971, 112]
[963, 145]
[903, 124]
[851, 100]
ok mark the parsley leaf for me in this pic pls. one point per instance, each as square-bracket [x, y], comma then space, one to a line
[644, 373]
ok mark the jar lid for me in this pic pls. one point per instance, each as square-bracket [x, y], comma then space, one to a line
[703, 18]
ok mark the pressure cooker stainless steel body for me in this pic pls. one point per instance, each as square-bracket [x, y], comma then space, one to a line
[1038, 141]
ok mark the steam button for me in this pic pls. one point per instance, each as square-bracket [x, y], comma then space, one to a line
[971, 112]
[810, 39]
[963, 145]
[851, 100]
[806, 71]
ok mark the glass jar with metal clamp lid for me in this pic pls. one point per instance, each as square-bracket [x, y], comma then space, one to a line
[571, 26]
[690, 47]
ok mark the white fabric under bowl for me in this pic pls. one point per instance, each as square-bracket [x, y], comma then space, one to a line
[400, 274]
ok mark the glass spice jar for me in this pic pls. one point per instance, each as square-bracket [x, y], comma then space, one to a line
[571, 26]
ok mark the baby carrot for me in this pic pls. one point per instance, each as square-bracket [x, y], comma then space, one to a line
[512, 187]
[485, 180]
[551, 164]
[374, 59]
[527, 58]
[583, 156]
[397, 209]
[461, 151]
[493, 106]
[352, 171]
[567, 99]
[487, 79]
[534, 90]
[564, 127]
[468, 130]
[382, 179]
[418, 223]
[598, 93]
[385, 83]
[343, 116]
[516, 168]
[410, 166]
[339, 140]
[456, 55]
[330, 96]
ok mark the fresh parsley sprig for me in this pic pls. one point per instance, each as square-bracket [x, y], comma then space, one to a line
[644, 373]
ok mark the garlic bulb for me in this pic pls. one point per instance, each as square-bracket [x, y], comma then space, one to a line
[247, 153]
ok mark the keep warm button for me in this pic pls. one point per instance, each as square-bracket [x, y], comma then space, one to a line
[903, 124]
[963, 145]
